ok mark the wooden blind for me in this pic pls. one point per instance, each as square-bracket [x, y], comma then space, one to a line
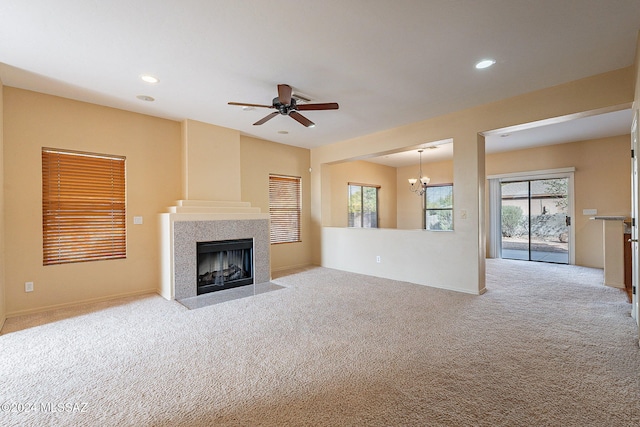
[83, 207]
[285, 204]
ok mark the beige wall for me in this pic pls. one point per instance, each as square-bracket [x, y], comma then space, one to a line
[410, 205]
[362, 172]
[3, 312]
[601, 181]
[152, 148]
[259, 158]
[210, 162]
[442, 254]
[161, 168]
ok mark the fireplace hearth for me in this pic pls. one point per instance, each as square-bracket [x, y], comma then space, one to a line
[224, 264]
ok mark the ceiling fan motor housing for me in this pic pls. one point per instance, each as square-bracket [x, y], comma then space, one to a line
[287, 105]
[284, 109]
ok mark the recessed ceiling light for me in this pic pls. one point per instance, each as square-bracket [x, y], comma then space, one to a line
[145, 98]
[283, 132]
[149, 78]
[436, 144]
[505, 135]
[248, 108]
[485, 63]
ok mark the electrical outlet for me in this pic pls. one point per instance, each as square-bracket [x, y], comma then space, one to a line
[378, 260]
[28, 286]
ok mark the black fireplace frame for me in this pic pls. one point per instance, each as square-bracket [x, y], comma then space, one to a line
[222, 246]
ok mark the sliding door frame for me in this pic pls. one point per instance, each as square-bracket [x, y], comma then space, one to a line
[494, 235]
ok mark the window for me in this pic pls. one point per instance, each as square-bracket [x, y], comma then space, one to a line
[439, 207]
[363, 206]
[285, 205]
[83, 207]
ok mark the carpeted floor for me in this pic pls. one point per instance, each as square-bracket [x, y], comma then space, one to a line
[547, 345]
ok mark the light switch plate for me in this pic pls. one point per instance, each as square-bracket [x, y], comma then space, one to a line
[137, 220]
[589, 211]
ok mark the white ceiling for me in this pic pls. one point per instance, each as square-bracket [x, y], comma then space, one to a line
[387, 63]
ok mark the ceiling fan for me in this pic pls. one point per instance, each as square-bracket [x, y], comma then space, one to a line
[288, 106]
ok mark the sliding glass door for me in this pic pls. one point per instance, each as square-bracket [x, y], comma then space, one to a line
[535, 220]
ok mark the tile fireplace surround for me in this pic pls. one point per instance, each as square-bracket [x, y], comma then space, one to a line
[202, 221]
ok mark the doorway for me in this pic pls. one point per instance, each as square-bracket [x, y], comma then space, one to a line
[535, 220]
[530, 216]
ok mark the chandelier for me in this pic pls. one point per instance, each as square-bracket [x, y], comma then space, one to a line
[421, 188]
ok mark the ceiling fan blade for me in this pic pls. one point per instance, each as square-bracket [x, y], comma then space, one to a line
[284, 94]
[324, 106]
[301, 119]
[266, 118]
[242, 104]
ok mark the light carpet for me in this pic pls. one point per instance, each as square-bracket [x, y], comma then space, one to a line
[547, 345]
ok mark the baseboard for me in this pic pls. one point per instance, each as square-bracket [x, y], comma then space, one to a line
[291, 267]
[77, 303]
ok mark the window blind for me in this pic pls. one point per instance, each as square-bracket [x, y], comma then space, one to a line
[83, 207]
[284, 208]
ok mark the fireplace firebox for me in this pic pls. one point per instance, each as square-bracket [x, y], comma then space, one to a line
[224, 264]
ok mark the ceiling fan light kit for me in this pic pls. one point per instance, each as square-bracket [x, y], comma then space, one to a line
[286, 104]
